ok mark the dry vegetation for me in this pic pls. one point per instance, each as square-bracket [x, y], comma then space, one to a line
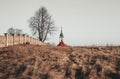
[50, 62]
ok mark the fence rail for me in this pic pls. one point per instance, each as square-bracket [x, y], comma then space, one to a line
[9, 40]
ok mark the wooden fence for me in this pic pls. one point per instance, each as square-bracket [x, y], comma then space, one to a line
[9, 40]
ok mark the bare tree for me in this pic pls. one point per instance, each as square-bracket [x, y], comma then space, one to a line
[11, 30]
[41, 24]
[14, 31]
[18, 31]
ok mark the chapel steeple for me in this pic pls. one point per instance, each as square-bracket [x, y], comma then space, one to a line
[61, 43]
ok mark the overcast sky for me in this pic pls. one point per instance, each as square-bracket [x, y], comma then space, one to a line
[84, 22]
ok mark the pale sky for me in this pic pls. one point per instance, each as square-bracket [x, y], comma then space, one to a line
[84, 22]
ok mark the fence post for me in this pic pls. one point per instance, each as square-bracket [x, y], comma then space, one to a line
[37, 41]
[19, 39]
[6, 39]
[27, 38]
[34, 41]
[13, 38]
[24, 42]
[31, 40]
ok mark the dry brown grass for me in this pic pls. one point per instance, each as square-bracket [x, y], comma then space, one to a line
[51, 62]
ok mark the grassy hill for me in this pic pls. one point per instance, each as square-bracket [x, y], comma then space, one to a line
[50, 62]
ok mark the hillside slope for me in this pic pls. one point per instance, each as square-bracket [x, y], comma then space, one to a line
[50, 62]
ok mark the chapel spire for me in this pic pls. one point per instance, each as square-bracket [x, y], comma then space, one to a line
[61, 39]
[61, 34]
